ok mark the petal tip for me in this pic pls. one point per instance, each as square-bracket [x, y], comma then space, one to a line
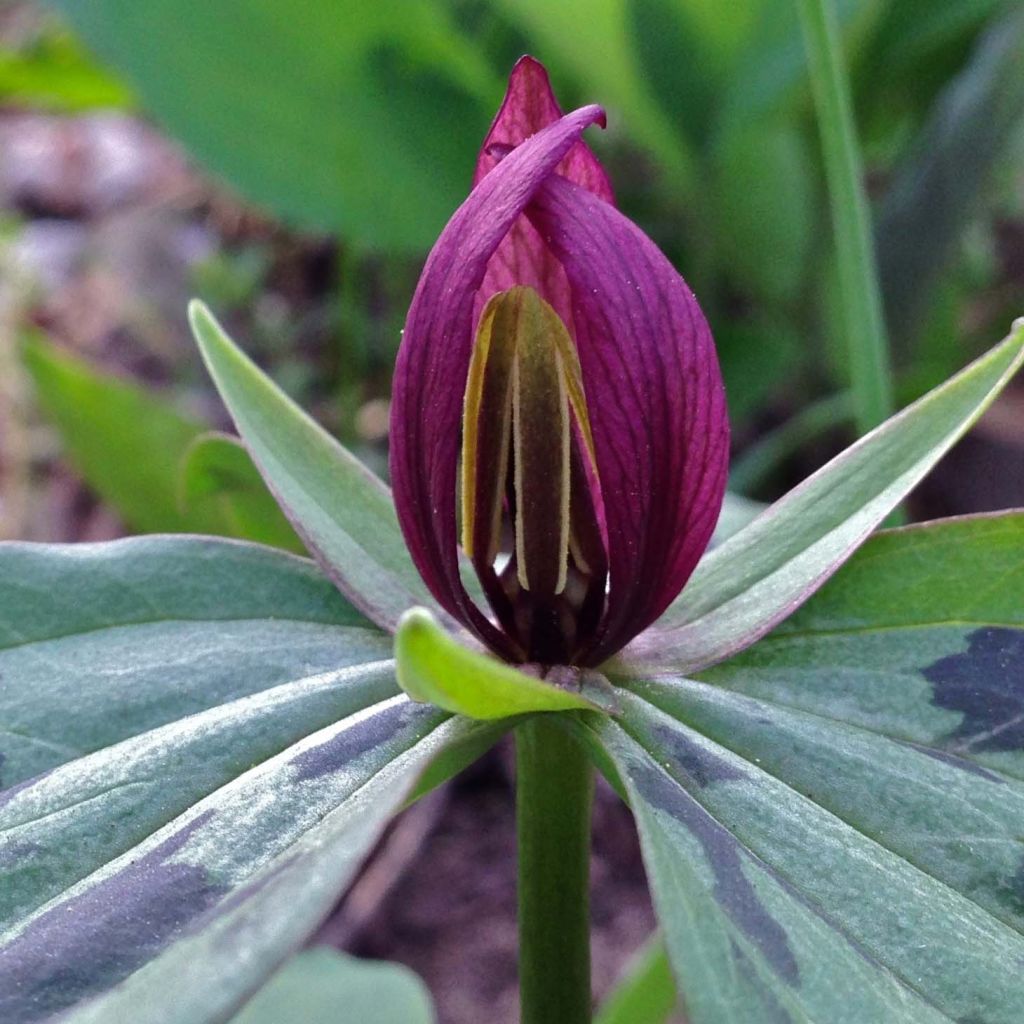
[527, 65]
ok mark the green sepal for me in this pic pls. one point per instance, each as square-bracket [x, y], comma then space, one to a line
[435, 668]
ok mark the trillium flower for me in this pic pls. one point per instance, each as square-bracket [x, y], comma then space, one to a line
[558, 411]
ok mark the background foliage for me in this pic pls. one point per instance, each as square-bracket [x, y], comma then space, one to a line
[359, 120]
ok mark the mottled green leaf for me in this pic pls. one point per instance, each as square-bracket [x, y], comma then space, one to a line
[434, 667]
[851, 785]
[70, 821]
[205, 741]
[920, 637]
[341, 510]
[763, 573]
[102, 642]
[314, 986]
[359, 116]
[217, 471]
[782, 901]
[209, 905]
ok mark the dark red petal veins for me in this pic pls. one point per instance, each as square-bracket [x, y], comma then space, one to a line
[530, 105]
[656, 401]
[522, 258]
[433, 361]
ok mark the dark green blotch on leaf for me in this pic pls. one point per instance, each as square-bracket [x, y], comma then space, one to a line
[732, 889]
[339, 752]
[986, 684]
[89, 943]
[694, 761]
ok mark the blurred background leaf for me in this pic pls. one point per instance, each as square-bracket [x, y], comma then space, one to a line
[216, 472]
[55, 72]
[361, 119]
[162, 471]
[646, 993]
[944, 179]
[764, 206]
[322, 986]
[345, 116]
[593, 41]
[124, 440]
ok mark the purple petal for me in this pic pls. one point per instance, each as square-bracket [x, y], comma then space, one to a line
[430, 375]
[523, 258]
[657, 404]
[530, 105]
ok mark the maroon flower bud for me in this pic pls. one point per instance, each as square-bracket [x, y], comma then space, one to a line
[554, 354]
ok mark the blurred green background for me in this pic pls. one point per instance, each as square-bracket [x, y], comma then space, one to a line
[292, 163]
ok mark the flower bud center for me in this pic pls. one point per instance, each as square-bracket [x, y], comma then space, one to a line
[529, 481]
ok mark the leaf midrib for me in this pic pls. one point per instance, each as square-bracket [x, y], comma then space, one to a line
[182, 620]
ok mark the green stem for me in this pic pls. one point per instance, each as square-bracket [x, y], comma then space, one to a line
[863, 322]
[554, 787]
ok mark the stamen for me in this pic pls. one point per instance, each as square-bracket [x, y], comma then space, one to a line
[541, 437]
[487, 431]
[528, 462]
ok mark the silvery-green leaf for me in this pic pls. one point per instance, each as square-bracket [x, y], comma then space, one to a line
[919, 638]
[100, 642]
[202, 741]
[831, 820]
[343, 513]
[775, 907]
[210, 904]
[57, 828]
[763, 573]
